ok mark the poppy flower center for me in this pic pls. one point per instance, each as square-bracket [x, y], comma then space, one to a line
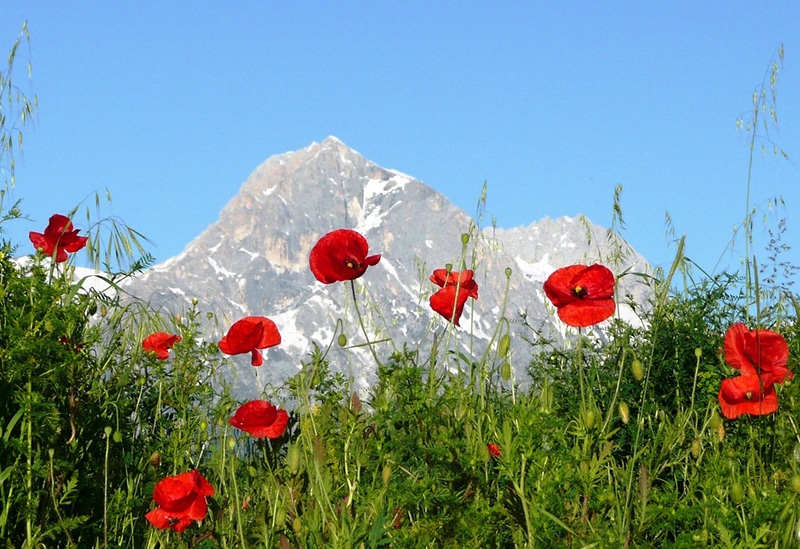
[579, 291]
[353, 264]
[749, 395]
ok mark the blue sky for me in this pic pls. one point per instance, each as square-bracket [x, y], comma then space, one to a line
[171, 105]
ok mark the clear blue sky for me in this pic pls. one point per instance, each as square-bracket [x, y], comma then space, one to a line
[172, 105]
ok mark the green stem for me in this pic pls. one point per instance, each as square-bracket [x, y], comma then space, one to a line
[361, 323]
[105, 490]
[29, 469]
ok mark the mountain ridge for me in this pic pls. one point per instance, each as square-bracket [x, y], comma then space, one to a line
[254, 260]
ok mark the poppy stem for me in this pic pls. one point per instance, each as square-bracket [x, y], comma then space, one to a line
[361, 323]
[581, 372]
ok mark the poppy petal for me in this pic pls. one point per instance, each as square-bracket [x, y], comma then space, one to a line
[583, 313]
[249, 334]
[58, 238]
[744, 395]
[583, 295]
[757, 352]
[260, 419]
[340, 255]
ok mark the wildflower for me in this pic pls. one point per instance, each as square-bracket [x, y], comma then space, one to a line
[160, 343]
[583, 295]
[746, 394]
[456, 288]
[761, 357]
[248, 335]
[494, 450]
[261, 419]
[181, 500]
[59, 237]
[757, 352]
[340, 255]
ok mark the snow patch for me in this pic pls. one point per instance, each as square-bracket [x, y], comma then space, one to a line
[213, 249]
[535, 272]
[220, 270]
[389, 268]
[252, 255]
[292, 340]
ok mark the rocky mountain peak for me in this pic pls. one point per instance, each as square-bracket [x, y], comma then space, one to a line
[254, 259]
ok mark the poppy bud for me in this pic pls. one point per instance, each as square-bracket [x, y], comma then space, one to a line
[342, 340]
[508, 272]
[796, 483]
[209, 315]
[637, 369]
[464, 238]
[624, 412]
[293, 457]
[297, 526]
[117, 437]
[194, 301]
[280, 516]
[505, 343]
[155, 458]
[107, 430]
[386, 474]
[698, 352]
[737, 493]
[231, 443]
[505, 371]
[714, 422]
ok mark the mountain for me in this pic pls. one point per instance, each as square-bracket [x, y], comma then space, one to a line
[254, 261]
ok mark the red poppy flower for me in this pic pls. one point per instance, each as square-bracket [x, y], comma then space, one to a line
[340, 255]
[160, 343]
[181, 500]
[456, 288]
[58, 237]
[494, 450]
[757, 352]
[746, 394]
[583, 295]
[248, 335]
[261, 419]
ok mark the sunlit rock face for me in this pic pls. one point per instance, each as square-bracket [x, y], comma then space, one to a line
[254, 261]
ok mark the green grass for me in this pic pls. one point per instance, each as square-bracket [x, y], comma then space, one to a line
[609, 442]
[90, 423]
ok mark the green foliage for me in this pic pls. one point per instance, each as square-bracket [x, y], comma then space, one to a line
[613, 441]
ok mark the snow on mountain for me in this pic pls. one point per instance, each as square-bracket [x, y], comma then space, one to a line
[254, 261]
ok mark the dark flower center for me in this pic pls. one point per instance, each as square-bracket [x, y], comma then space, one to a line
[579, 292]
[353, 264]
[749, 395]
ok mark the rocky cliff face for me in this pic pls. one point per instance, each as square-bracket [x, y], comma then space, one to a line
[254, 261]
